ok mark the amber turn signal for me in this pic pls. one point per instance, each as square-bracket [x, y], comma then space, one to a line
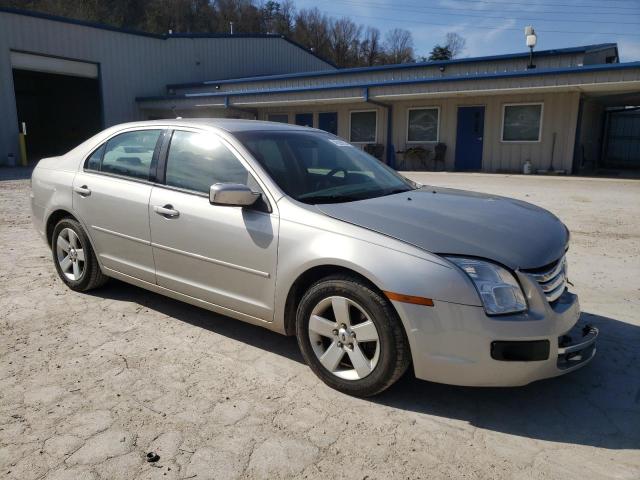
[399, 297]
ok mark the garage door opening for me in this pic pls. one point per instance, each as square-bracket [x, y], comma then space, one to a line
[608, 140]
[59, 110]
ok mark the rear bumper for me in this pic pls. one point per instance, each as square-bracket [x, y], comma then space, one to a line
[461, 345]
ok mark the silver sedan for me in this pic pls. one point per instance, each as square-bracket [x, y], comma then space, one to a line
[300, 232]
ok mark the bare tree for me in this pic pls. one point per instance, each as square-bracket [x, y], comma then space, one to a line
[345, 40]
[455, 43]
[312, 30]
[371, 49]
[399, 46]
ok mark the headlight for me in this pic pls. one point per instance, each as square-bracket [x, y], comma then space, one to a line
[498, 289]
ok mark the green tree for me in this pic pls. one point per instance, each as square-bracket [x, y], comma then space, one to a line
[440, 53]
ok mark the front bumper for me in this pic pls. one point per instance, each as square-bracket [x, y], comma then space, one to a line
[452, 343]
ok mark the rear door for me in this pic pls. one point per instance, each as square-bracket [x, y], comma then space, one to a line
[111, 195]
[224, 255]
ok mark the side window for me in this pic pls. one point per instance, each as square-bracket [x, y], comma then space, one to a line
[93, 162]
[198, 160]
[131, 153]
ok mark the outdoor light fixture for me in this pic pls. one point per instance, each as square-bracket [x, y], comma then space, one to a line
[532, 39]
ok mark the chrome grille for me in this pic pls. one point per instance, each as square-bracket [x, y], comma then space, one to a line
[552, 279]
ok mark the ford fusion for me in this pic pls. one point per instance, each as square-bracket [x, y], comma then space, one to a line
[300, 232]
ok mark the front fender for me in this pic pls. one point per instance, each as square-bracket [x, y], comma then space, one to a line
[389, 264]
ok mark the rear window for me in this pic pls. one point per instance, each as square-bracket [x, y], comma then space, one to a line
[130, 154]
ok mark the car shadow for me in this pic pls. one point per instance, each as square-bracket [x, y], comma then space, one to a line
[598, 405]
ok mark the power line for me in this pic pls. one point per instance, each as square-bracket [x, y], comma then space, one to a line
[572, 5]
[383, 6]
[520, 10]
[420, 22]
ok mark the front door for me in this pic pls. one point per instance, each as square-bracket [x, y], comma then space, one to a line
[223, 255]
[469, 138]
[111, 195]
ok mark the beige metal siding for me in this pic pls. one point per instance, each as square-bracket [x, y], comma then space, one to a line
[560, 116]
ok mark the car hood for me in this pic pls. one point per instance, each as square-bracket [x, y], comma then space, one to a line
[456, 222]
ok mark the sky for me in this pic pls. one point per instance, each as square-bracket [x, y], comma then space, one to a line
[493, 27]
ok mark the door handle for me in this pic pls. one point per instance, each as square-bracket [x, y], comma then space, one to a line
[83, 191]
[166, 211]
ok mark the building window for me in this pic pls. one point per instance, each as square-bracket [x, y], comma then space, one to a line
[328, 121]
[522, 122]
[363, 127]
[304, 119]
[278, 117]
[423, 124]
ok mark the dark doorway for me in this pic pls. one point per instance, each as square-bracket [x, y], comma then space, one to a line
[622, 140]
[60, 111]
[469, 138]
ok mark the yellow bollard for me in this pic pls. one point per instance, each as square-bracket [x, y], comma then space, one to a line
[23, 150]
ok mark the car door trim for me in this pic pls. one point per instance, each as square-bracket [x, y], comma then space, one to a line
[121, 235]
[188, 298]
[212, 260]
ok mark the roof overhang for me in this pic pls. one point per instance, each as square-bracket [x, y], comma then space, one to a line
[616, 78]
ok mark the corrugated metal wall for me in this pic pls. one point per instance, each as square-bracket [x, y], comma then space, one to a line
[623, 140]
[134, 65]
[427, 72]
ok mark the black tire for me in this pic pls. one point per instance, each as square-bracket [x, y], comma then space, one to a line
[92, 276]
[394, 357]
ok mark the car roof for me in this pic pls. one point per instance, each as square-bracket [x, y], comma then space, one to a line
[230, 125]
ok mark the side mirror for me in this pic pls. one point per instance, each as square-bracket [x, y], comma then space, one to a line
[232, 194]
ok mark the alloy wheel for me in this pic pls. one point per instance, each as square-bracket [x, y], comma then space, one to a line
[70, 254]
[344, 338]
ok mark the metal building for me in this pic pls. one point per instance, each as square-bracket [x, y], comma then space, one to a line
[494, 113]
[66, 79]
[572, 110]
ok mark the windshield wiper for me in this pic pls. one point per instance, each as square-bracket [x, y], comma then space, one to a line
[397, 190]
[327, 199]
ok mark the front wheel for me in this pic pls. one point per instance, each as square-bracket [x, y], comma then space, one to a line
[351, 336]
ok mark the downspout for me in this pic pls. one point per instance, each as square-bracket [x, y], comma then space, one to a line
[248, 111]
[390, 149]
[578, 148]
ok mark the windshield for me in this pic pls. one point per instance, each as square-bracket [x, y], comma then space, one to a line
[314, 167]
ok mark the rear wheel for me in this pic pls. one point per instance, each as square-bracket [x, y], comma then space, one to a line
[74, 258]
[351, 336]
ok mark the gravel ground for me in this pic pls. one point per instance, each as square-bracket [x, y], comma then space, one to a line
[89, 383]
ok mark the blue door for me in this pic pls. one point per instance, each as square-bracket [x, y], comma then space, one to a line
[328, 121]
[304, 119]
[469, 138]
